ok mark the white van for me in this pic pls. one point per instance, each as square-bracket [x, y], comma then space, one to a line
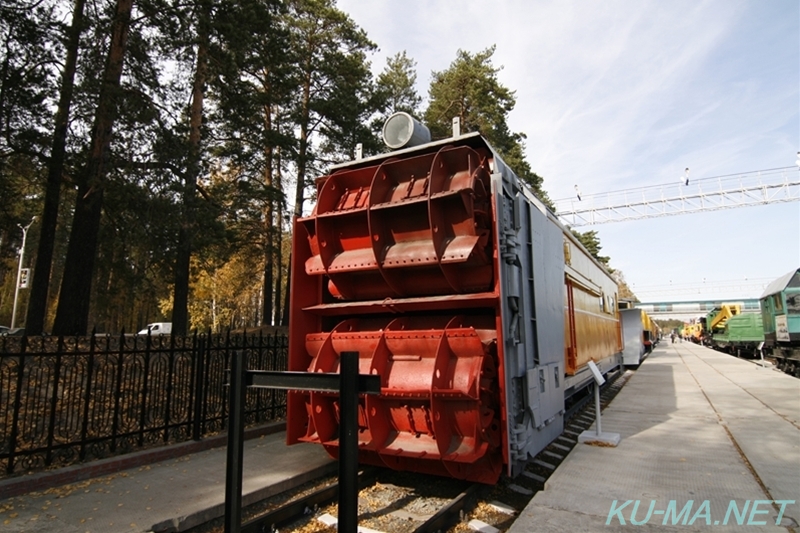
[157, 328]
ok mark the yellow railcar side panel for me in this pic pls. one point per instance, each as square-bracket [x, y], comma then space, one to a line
[595, 330]
[594, 311]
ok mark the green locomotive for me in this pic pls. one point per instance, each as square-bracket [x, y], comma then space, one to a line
[780, 313]
[728, 329]
[742, 335]
[775, 330]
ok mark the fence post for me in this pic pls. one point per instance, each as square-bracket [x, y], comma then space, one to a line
[199, 359]
[168, 400]
[87, 396]
[12, 445]
[118, 395]
[257, 361]
[235, 450]
[51, 426]
[228, 357]
[273, 365]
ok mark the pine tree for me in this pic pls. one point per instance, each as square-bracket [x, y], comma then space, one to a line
[29, 48]
[37, 305]
[348, 110]
[255, 92]
[469, 89]
[396, 85]
[28, 56]
[180, 300]
[72, 314]
[330, 48]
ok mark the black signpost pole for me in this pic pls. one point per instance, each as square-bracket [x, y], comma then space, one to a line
[349, 383]
[235, 451]
[348, 443]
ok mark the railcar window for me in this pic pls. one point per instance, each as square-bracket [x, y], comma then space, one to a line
[776, 300]
[793, 303]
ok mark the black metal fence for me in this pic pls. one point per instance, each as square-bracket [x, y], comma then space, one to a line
[69, 399]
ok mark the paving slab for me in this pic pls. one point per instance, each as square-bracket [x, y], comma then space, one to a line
[169, 496]
[696, 427]
[766, 433]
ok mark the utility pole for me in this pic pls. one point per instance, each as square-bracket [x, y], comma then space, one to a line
[19, 269]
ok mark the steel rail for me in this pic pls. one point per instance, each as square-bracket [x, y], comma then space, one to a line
[296, 509]
[452, 513]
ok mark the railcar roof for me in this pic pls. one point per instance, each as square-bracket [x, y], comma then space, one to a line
[473, 139]
[779, 284]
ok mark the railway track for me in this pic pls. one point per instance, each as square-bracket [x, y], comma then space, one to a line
[404, 502]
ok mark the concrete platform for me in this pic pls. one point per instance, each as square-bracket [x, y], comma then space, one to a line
[696, 425]
[169, 496]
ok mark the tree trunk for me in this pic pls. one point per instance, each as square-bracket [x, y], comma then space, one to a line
[180, 301]
[269, 281]
[37, 305]
[302, 155]
[285, 317]
[72, 314]
[278, 238]
[269, 276]
[302, 150]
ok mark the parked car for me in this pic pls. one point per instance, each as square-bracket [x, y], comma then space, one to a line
[8, 332]
[157, 328]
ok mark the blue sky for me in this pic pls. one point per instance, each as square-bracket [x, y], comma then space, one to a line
[628, 93]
